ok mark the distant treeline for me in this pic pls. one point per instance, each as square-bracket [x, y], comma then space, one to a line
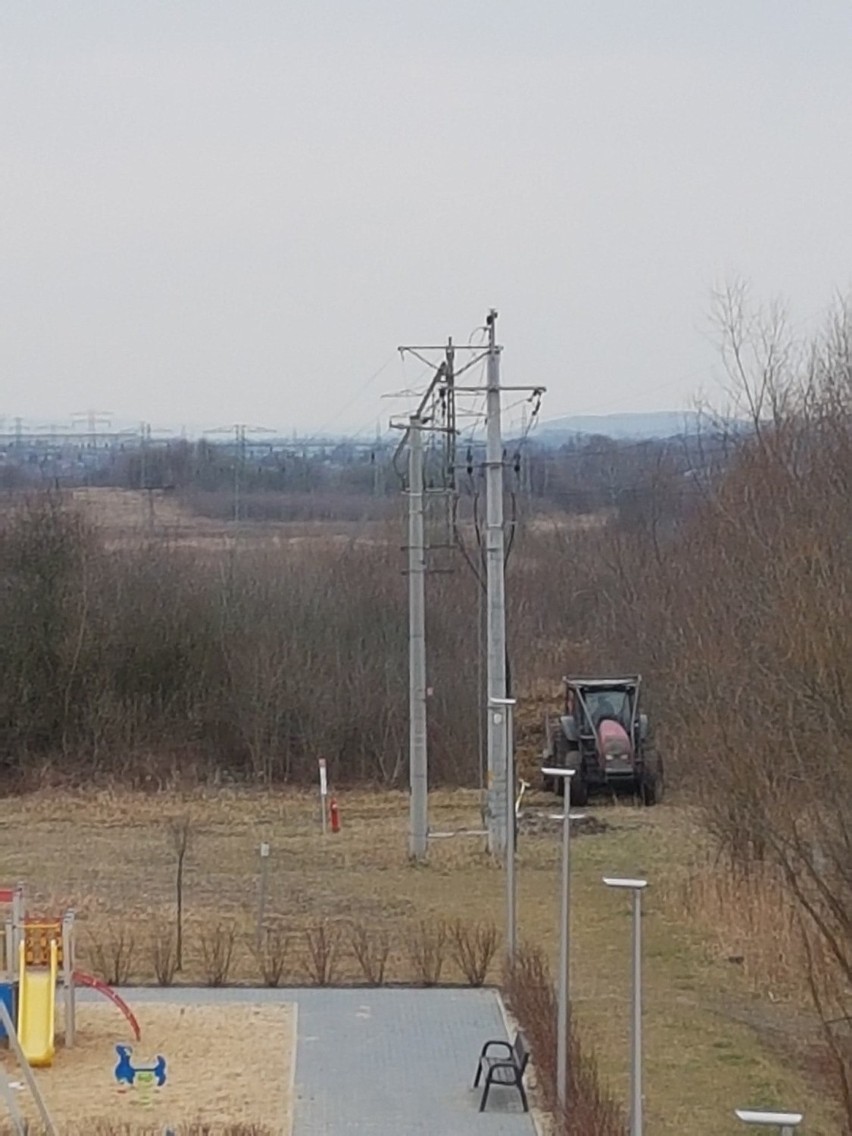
[250, 481]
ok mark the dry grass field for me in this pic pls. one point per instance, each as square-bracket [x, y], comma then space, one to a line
[124, 516]
[711, 1041]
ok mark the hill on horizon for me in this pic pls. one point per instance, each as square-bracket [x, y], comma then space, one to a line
[647, 424]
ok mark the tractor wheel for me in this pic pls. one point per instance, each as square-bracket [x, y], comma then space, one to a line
[651, 788]
[579, 790]
[558, 756]
[651, 781]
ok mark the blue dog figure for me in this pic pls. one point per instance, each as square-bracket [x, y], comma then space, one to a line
[125, 1071]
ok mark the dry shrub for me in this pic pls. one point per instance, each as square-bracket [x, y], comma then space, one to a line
[474, 946]
[162, 953]
[730, 591]
[113, 948]
[751, 919]
[111, 655]
[272, 953]
[427, 948]
[322, 938]
[217, 952]
[371, 947]
[591, 1110]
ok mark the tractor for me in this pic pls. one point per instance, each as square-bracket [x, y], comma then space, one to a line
[602, 736]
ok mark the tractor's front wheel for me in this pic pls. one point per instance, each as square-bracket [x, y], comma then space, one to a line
[579, 790]
[651, 787]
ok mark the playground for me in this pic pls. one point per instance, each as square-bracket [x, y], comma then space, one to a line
[72, 1063]
[209, 1077]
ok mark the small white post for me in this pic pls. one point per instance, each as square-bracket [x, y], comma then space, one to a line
[636, 887]
[17, 923]
[264, 885]
[323, 789]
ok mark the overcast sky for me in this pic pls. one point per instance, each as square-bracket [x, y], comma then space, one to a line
[219, 211]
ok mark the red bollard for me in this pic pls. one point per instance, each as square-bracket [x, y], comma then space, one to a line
[334, 813]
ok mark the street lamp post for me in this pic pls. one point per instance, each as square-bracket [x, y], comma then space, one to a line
[786, 1122]
[636, 887]
[503, 708]
[563, 1003]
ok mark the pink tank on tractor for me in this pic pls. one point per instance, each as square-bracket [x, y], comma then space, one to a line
[615, 750]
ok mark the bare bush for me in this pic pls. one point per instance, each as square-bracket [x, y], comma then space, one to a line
[162, 949]
[272, 953]
[113, 950]
[737, 610]
[427, 949]
[217, 952]
[590, 1107]
[138, 661]
[371, 947]
[474, 946]
[322, 939]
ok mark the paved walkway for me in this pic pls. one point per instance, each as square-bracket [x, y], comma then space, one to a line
[398, 1063]
[385, 1062]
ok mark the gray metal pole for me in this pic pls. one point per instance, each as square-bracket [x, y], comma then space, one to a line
[68, 978]
[8, 1094]
[503, 710]
[26, 1071]
[418, 757]
[563, 1009]
[511, 882]
[636, 1020]
[496, 598]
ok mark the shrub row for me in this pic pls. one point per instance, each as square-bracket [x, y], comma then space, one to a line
[322, 952]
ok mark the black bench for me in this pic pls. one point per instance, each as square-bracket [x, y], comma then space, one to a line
[505, 1068]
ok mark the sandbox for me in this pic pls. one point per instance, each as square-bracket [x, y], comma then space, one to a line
[228, 1063]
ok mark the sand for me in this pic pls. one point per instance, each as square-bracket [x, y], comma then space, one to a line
[224, 1064]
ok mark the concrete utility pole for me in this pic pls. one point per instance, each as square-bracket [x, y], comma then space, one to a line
[498, 786]
[418, 757]
[444, 385]
[503, 709]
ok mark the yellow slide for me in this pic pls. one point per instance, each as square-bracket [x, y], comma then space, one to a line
[37, 1008]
